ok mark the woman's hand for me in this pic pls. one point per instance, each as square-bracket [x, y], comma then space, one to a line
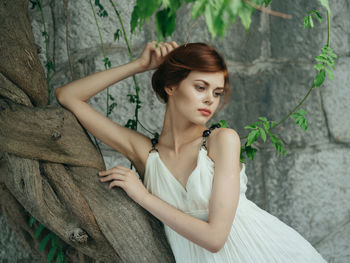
[126, 179]
[153, 56]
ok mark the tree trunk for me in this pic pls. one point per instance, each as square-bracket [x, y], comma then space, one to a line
[49, 166]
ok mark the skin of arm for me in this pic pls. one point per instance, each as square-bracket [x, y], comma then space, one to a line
[84, 88]
[223, 203]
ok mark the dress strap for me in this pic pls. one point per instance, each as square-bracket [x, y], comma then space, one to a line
[206, 133]
[154, 142]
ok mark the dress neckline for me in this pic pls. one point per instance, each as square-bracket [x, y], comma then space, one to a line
[205, 134]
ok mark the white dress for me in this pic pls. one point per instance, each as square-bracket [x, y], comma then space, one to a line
[255, 236]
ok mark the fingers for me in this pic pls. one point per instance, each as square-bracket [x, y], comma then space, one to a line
[163, 47]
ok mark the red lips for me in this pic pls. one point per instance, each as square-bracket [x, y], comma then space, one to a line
[206, 110]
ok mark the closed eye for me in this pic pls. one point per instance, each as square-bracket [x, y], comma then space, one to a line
[216, 93]
[200, 87]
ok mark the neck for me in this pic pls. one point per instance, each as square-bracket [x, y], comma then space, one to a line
[178, 132]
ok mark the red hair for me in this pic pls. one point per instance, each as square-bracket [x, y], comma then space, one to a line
[186, 58]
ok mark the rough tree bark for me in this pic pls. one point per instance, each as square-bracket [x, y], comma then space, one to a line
[48, 166]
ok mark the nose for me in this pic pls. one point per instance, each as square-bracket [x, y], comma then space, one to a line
[209, 99]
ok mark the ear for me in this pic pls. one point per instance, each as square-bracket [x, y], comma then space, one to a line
[169, 90]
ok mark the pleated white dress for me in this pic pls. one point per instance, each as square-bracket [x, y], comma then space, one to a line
[255, 236]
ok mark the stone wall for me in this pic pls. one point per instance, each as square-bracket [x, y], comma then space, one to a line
[271, 69]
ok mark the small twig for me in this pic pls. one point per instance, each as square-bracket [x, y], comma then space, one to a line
[189, 31]
[268, 11]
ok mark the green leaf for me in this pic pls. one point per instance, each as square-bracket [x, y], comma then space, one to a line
[325, 4]
[117, 34]
[319, 66]
[223, 124]
[252, 137]
[319, 17]
[304, 124]
[263, 119]
[329, 73]
[257, 123]
[31, 221]
[267, 2]
[311, 22]
[250, 127]
[45, 240]
[301, 112]
[165, 23]
[209, 19]
[51, 254]
[110, 97]
[319, 78]
[267, 126]
[198, 8]
[60, 256]
[250, 151]
[244, 14]
[142, 10]
[111, 107]
[306, 22]
[263, 134]
[38, 230]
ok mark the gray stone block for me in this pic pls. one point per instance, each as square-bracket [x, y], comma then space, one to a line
[307, 192]
[336, 101]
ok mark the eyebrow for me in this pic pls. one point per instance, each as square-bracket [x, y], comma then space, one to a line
[207, 84]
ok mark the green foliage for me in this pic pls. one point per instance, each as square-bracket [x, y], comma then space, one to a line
[101, 10]
[142, 11]
[326, 59]
[219, 14]
[107, 62]
[117, 34]
[262, 131]
[325, 4]
[45, 241]
[165, 23]
[300, 119]
[111, 107]
[131, 124]
[308, 22]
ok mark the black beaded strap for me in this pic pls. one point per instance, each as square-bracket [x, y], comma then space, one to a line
[154, 142]
[206, 133]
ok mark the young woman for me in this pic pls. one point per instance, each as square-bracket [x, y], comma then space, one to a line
[192, 177]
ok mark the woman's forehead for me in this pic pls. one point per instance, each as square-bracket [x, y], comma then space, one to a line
[213, 78]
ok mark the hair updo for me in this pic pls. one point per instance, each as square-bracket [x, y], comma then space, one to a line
[186, 58]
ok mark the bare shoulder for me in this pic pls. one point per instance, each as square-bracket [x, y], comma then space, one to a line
[222, 136]
[223, 141]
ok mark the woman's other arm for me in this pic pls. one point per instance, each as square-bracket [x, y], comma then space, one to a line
[213, 234]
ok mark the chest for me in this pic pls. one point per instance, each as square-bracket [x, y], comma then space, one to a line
[181, 168]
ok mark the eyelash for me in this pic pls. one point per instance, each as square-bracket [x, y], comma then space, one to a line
[217, 93]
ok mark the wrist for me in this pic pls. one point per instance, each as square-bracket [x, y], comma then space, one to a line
[145, 199]
[139, 66]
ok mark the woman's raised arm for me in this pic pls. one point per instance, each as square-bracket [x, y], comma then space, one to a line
[73, 96]
[85, 88]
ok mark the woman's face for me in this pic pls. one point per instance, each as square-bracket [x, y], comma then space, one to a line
[200, 90]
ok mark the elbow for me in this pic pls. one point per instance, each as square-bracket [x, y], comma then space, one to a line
[60, 96]
[217, 246]
[57, 94]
